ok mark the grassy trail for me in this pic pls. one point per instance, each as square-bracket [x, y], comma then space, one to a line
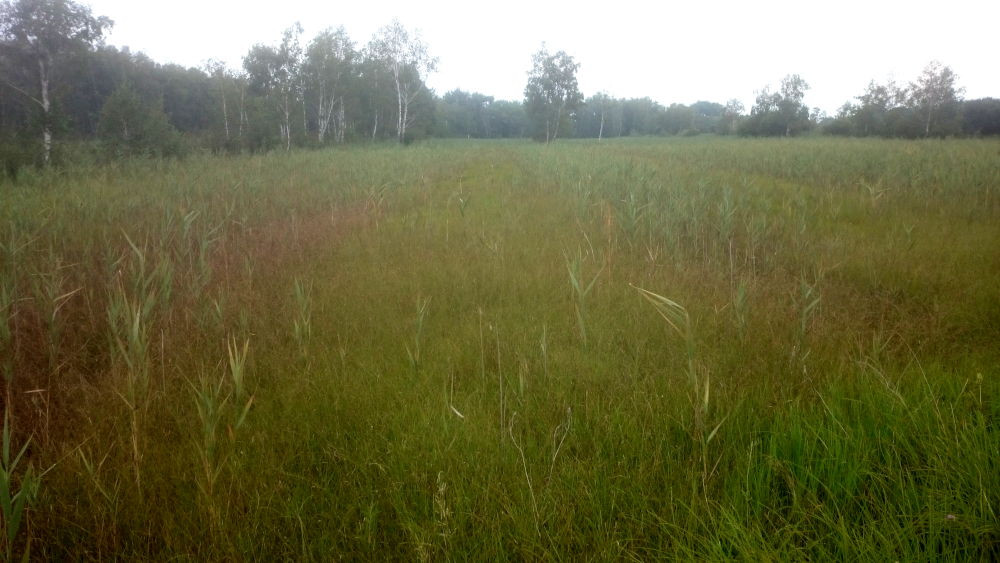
[443, 353]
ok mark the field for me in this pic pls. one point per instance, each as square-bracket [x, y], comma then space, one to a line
[698, 348]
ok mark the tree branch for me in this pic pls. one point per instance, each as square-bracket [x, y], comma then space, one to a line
[27, 95]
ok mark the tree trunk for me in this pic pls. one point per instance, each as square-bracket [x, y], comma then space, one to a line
[288, 124]
[225, 113]
[400, 126]
[324, 115]
[46, 111]
[340, 121]
[375, 107]
[406, 112]
[305, 118]
[555, 133]
[243, 111]
[600, 133]
[321, 124]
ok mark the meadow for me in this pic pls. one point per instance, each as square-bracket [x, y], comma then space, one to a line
[682, 349]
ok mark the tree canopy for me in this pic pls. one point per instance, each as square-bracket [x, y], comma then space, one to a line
[782, 112]
[552, 93]
[36, 37]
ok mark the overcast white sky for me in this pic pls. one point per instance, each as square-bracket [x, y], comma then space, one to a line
[670, 51]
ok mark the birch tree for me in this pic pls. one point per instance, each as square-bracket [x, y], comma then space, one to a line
[730, 118]
[35, 35]
[221, 76]
[601, 103]
[937, 98]
[552, 92]
[779, 113]
[327, 69]
[408, 61]
[275, 73]
[869, 115]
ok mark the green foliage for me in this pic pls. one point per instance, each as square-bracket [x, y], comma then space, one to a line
[780, 113]
[18, 490]
[131, 127]
[465, 115]
[552, 94]
[935, 96]
[931, 106]
[36, 37]
[981, 117]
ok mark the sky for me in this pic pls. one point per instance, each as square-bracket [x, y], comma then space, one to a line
[672, 52]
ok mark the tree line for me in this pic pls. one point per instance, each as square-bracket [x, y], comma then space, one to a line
[60, 81]
[60, 84]
[929, 106]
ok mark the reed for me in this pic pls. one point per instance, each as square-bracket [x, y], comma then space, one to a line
[769, 349]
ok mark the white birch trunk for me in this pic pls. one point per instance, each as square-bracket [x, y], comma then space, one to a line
[405, 120]
[555, 133]
[305, 118]
[321, 124]
[340, 121]
[225, 112]
[46, 109]
[400, 126]
[243, 111]
[288, 124]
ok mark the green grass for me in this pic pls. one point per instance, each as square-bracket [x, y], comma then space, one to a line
[441, 353]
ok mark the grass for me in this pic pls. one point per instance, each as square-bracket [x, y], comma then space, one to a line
[441, 352]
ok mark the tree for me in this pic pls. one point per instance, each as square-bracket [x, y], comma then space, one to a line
[794, 113]
[372, 90]
[464, 114]
[186, 94]
[936, 97]
[641, 116]
[408, 61]
[781, 112]
[595, 117]
[35, 35]
[706, 115]
[221, 76]
[507, 119]
[676, 119]
[552, 92]
[602, 103]
[730, 118]
[869, 116]
[131, 126]
[981, 117]
[841, 124]
[274, 72]
[327, 69]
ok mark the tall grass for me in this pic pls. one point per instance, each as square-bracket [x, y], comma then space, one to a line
[372, 353]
